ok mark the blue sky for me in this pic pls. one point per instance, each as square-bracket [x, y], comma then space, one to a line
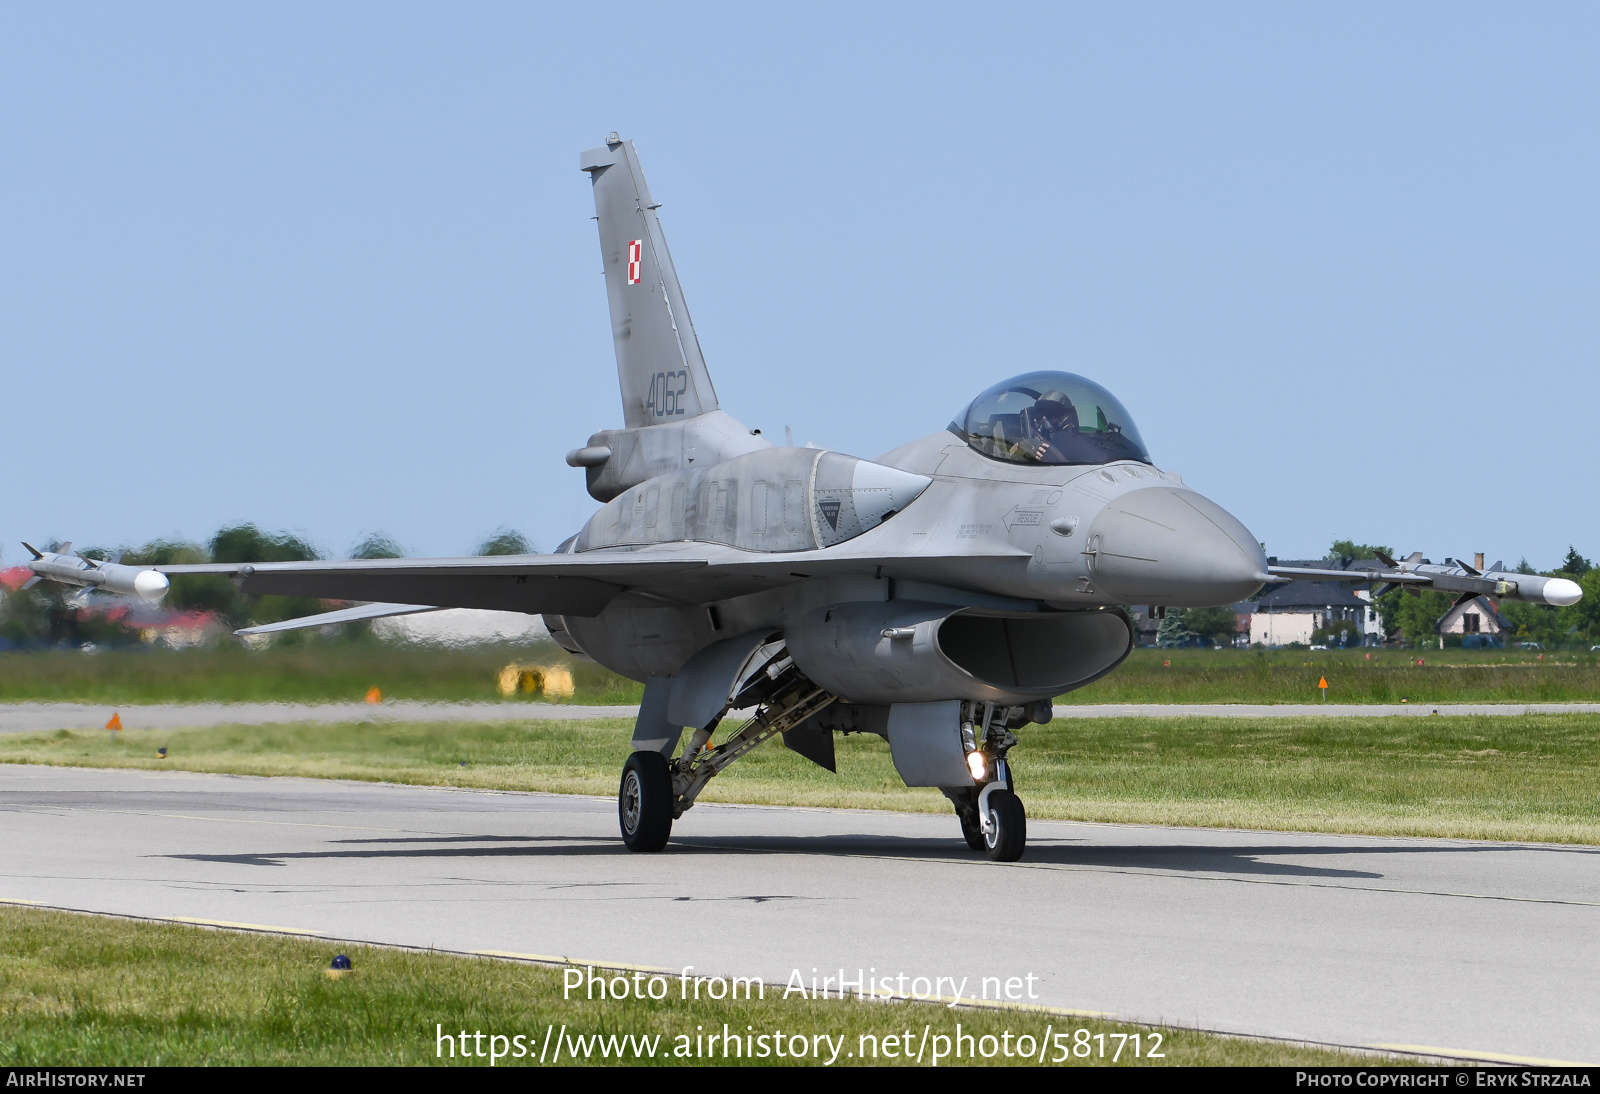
[330, 267]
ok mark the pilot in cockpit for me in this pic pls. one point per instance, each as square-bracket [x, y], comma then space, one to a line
[1050, 416]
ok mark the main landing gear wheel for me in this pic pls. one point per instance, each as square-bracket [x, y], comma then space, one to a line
[1008, 827]
[644, 802]
[973, 831]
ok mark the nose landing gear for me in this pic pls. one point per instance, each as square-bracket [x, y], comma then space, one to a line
[998, 828]
[992, 818]
[1005, 830]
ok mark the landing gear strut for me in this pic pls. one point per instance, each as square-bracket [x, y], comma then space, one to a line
[992, 818]
[656, 791]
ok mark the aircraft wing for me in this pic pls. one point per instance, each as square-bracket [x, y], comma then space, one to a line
[1314, 573]
[557, 584]
[583, 584]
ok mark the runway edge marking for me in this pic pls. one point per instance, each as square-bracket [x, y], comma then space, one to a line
[1471, 1054]
[231, 925]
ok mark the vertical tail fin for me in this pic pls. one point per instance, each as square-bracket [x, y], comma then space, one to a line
[659, 364]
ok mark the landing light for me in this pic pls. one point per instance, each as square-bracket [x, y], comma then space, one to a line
[976, 765]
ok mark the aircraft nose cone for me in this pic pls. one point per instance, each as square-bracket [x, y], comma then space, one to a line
[1161, 545]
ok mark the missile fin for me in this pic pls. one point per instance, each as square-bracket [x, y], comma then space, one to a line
[31, 582]
[33, 550]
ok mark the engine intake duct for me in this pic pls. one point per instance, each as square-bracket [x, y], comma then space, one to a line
[908, 652]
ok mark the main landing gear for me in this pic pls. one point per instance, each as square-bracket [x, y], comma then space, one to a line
[656, 791]
[644, 802]
[992, 818]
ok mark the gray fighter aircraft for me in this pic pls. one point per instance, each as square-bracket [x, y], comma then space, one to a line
[938, 596]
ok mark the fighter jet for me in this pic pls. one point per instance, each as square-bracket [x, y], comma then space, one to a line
[938, 596]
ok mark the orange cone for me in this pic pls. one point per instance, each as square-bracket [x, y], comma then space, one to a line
[116, 721]
[374, 695]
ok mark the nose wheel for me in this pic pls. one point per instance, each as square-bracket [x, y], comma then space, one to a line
[1005, 831]
[972, 829]
[992, 818]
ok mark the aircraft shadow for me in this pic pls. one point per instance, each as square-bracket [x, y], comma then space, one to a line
[1243, 860]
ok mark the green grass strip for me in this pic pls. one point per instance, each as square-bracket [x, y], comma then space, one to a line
[79, 990]
[333, 670]
[1354, 676]
[315, 671]
[1529, 777]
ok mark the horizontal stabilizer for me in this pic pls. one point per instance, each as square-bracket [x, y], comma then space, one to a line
[343, 615]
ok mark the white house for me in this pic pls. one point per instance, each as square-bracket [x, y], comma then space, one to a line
[1478, 616]
[1292, 612]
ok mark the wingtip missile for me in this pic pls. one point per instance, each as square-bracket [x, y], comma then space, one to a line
[1455, 576]
[108, 576]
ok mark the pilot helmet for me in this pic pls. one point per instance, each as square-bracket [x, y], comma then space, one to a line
[1055, 408]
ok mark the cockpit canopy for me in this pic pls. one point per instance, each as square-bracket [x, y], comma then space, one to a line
[1050, 418]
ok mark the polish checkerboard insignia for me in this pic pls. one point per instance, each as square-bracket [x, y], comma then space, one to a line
[635, 251]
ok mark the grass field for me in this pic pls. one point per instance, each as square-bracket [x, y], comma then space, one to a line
[1530, 777]
[89, 991]
[332, 670]
[313, 672]
[1354, 676]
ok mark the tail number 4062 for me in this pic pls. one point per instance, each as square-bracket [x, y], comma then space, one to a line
[666, 393]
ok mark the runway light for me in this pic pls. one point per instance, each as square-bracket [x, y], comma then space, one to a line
[341, 967]
[976, 765]
[162, 752]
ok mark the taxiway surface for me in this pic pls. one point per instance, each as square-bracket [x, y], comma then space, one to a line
[44, 717]
[1466, 947]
